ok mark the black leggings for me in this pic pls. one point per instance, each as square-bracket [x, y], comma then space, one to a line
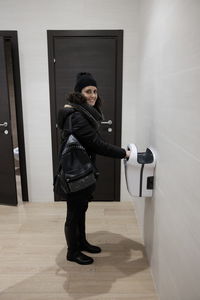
[77, 205]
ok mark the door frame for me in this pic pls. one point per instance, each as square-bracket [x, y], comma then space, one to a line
[116, 34]
[13, 37]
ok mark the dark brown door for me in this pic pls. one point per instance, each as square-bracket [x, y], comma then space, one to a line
[8, 193]
[100, 53]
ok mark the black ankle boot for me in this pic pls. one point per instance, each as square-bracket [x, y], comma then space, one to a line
[80, 258]
[85, 246]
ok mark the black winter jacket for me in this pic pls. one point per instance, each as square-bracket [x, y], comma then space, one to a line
[85, 124]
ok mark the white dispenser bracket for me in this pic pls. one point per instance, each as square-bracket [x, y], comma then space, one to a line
[139, 171]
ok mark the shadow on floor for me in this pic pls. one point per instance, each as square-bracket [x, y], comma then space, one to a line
[56, 278]
[120, 257]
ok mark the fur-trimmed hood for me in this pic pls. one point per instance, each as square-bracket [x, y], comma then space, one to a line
[77, 102]
[63, 113]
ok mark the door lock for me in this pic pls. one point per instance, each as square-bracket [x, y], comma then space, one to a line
[5, 124]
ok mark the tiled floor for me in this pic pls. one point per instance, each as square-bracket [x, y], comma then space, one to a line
[33, 250]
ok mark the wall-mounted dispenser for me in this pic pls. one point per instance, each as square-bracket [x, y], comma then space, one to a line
[139, 171]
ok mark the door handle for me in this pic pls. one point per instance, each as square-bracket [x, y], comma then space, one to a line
[109, 122]
[5, 124]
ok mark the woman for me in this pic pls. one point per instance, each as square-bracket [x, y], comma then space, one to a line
[85, 107]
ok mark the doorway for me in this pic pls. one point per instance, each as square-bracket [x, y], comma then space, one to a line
[99, 52]
[13, 178]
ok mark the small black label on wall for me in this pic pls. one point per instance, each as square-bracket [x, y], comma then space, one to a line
[150, 182]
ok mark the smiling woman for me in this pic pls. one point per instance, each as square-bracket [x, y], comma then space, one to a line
[90, 94]
[82, 117]
[87, 86]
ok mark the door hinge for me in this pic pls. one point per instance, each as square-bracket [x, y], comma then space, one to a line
[54, 60]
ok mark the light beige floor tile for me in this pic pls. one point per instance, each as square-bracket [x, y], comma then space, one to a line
[33, 262]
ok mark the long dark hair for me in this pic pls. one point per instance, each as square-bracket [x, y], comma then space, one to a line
[98, 104]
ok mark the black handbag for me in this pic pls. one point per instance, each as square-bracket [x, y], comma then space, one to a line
[75, 170]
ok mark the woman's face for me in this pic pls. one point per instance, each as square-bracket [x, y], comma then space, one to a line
[90, 93]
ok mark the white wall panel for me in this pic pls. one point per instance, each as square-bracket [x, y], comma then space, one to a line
[167, 111]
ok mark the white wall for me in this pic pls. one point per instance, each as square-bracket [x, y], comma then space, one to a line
[31, 19]
[168, 118]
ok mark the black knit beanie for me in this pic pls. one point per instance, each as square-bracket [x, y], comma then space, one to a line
[84, 79]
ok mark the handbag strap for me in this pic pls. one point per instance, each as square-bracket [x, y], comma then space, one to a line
[61, 146]
[70, 123]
